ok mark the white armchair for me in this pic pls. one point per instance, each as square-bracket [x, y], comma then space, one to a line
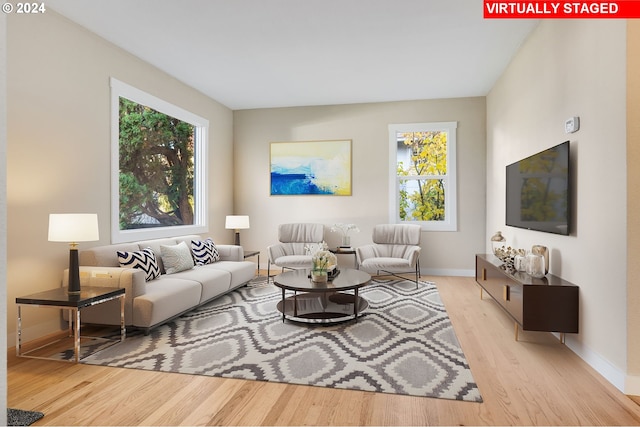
[290, 252]
[395, 250]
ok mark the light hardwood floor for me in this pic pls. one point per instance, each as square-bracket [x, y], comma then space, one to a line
[533, 381]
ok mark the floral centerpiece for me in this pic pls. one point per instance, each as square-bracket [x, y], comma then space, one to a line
[323, 261]
[345, 229]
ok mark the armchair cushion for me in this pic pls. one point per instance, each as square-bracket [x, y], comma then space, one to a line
[396, 234]
[294, 261]
[300, 233]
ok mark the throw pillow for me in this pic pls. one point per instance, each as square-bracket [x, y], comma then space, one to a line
[144, 260]
[176, 258]
[205, 251]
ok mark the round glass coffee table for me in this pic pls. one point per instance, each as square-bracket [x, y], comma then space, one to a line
[327, 302]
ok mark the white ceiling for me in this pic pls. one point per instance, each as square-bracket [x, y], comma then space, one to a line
[279, 53]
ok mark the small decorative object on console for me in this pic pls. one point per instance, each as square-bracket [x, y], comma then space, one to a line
[344, 229]
[520, 262]
[497, 241]
[507, 256]
[542, 250]
[535, 266]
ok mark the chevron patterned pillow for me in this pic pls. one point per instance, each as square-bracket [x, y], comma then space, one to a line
[204, 251]
[144, 260]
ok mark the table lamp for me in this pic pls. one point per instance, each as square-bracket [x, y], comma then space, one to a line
[237, 222]
[73, 228]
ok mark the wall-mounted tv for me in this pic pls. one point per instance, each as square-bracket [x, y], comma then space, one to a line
[539, 191]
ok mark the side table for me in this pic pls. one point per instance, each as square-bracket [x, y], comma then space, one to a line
[248, 254]
[346, 251]
[60, 299]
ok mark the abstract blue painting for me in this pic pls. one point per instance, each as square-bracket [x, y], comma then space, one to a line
[311, 167]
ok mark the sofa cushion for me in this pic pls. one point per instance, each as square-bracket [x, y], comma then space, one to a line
[241, 271]
[214, 282]
[176, 257]
[166, 297]
[204, 251]
[143, 259]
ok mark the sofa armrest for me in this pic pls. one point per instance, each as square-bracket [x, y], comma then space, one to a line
[131, 279]
[230, 252]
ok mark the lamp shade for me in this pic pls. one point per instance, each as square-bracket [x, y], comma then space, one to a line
[73, 228]
[237, 222]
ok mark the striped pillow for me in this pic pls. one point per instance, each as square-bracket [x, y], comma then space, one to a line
[144, 260]
[204, 251]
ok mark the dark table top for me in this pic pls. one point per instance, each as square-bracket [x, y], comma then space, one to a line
[89, 295]
[298, 280]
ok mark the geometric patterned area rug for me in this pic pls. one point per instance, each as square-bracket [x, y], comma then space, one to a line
[403, 343]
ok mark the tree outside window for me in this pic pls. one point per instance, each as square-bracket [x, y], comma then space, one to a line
[158, 170]
[423, 179]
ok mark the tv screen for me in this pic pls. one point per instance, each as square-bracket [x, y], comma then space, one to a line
[538, 191]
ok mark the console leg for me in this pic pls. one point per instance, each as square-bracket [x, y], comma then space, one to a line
[515, 324]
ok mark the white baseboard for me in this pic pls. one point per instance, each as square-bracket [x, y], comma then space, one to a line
[611, 373]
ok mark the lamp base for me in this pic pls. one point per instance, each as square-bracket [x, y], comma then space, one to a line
[74, 272]
[237, 242]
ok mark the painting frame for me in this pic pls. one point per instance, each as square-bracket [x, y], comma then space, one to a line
[310, 168]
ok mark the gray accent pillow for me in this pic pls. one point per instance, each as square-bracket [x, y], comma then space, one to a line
[176, 257]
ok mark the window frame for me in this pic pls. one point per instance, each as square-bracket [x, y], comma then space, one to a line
[201, 136]
[450, 222]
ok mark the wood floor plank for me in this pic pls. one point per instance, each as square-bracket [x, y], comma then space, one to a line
[533, 381]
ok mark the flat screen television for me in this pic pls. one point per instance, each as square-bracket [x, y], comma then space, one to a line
[539, 191]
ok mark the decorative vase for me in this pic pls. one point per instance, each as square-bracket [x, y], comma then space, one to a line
[319, 276]
[346, 241]
[497, 241]
[535, 266]
[544, 252]
[520, 262]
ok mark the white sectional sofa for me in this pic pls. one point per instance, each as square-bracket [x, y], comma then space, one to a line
[149, 303]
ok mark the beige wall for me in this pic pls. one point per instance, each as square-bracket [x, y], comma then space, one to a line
[59, 145]
[367, 126]
[633, 206]
[573, 68]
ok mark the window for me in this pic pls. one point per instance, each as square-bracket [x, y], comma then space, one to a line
[422, 173]
[158, 167]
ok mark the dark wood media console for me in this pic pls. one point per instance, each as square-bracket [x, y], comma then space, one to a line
[549, 304]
